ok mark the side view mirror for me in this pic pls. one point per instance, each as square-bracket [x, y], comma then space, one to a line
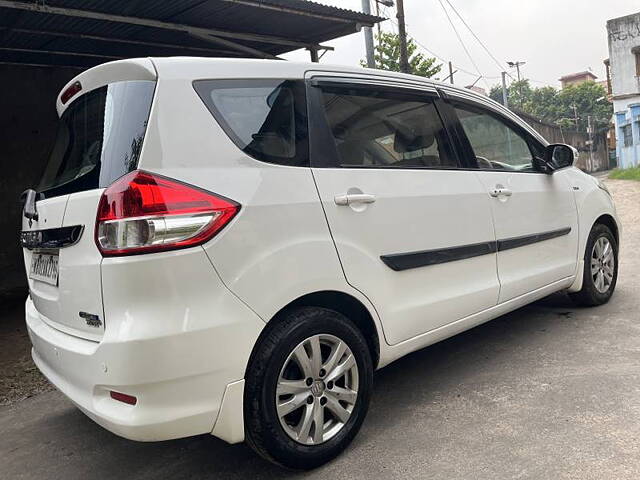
[556, 156]
[559, 155]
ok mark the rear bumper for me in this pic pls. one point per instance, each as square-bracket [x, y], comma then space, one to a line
[179, 376]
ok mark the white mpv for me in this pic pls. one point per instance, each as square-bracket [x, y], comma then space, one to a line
[234, 246]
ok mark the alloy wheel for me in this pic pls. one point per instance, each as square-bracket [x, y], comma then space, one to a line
[317, 389]
[602, 264]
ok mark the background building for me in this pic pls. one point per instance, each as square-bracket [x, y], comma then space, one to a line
[577, 78]
[624, 68]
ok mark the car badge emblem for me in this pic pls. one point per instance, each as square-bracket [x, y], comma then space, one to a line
[92, 319]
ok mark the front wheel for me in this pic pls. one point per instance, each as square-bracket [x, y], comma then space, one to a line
[307, 388]
[600, 268]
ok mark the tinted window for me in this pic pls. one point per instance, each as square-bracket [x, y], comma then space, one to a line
[265, 118]
[496, 145]
[373, 128]
[99, 138]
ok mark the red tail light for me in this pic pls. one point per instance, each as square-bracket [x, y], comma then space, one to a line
[143, 212]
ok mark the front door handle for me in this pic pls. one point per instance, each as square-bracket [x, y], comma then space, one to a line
[351, 198]
[499, 190]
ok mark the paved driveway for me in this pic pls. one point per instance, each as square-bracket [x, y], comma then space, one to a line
[548, 391]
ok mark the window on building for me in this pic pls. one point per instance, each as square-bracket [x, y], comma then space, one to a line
[627, 134]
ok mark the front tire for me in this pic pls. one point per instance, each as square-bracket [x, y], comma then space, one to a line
[307, 388]
[600, 268]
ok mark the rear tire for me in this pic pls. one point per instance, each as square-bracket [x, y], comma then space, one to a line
[322, 363]
[600, 268]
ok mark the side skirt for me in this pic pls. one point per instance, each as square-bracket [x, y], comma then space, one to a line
[389, 354]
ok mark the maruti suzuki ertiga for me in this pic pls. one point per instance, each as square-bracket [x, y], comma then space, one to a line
[234, 246]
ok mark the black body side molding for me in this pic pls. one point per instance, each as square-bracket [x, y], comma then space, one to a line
[515, 242]
[423, 258]
[405, 261]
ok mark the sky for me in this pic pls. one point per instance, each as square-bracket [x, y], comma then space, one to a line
[553, 37]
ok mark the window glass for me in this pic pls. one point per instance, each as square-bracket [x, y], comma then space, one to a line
[99, 138]
[495, 144]
[265, 118]
[627, 135]
[372, 128]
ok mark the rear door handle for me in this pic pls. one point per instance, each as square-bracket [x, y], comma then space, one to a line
[500, 190]
[351, 198]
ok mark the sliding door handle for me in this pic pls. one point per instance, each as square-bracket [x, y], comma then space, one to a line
[352, 198]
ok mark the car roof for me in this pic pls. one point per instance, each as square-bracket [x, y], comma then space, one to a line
[185, 67]
[200, 68]
[195, 68]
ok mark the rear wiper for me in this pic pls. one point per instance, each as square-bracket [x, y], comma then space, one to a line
[29, 198]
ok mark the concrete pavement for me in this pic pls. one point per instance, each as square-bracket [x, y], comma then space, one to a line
[549, 391]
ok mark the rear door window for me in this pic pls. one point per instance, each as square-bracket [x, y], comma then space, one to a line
[377, 128]
[99, 138]
[266, 119]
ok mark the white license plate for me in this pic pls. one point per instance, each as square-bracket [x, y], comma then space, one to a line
[44, 267]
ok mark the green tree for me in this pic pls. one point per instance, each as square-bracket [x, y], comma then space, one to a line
[560, 106]
[387, 56]
[588, 98]
[519, 93]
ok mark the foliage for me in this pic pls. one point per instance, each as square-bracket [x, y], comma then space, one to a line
[626, 174]
[387, 56]
[557, 106]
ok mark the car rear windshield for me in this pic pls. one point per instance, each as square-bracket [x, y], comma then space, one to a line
[99, 138]
[265, 118]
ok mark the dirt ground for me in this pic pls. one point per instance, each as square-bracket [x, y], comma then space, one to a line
[19, 377]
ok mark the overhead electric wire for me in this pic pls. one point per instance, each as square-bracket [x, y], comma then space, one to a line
[486, 49]
[431, 52]
[384, 11]
[462, 43]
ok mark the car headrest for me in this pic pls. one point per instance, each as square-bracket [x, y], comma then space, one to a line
[402, 143]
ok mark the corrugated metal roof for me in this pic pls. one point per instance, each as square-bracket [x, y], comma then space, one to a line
[87, 32]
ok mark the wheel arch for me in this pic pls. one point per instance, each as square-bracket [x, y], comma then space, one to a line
[342, 302]
[609, 221]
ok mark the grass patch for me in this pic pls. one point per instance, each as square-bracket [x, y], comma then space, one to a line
[625, 174]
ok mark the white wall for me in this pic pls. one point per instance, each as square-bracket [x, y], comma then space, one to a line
[624, 34]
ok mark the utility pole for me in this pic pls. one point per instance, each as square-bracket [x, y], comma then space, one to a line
[575, 115]
[505, 97]
[517, 65]
[589, 131]
[377, 15]
[368, 36]
[402, 34]
[451, 72]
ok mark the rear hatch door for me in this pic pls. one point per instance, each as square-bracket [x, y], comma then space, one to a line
[100, 137]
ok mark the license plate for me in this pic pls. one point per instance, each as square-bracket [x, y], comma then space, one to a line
[44, 268]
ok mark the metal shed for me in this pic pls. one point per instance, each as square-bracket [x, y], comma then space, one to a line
[84, 33]
[44, 43]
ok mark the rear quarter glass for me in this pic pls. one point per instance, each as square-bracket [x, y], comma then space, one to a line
[99, 138]
[265, 118]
